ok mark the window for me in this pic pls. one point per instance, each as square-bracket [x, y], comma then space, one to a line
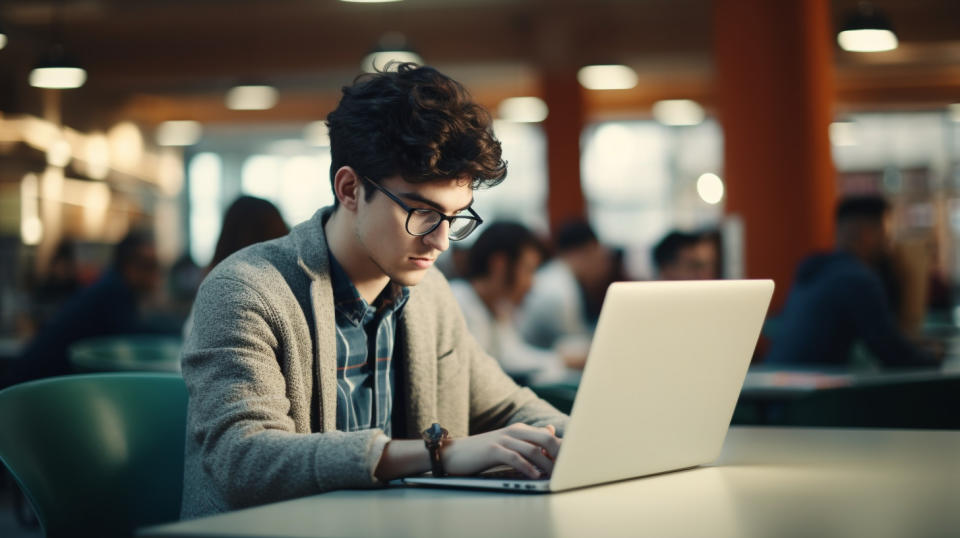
[204, 176]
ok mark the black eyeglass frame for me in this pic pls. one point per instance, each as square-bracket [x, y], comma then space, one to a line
[411, 210]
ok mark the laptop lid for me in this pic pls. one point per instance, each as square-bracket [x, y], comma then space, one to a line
[662, 378]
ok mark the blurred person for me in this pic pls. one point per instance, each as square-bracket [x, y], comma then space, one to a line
[555, 314]
[500, 269]
[336, 356]
[248, 220]
[839, 298]
[60, 282]
[686, 256]
[618, 273]
[112, 305]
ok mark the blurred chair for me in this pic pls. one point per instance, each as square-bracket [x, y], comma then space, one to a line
[926, 404]
[97, 454]
[126, 353]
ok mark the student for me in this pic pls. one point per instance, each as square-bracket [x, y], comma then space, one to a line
[501, 265]
[838, 298]
[555, 313]
[112, 305]
[318, 360]
[686, 256]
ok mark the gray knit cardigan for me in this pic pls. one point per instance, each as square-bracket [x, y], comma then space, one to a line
[260, 365]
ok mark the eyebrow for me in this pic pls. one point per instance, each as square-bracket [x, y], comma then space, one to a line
[418, 198]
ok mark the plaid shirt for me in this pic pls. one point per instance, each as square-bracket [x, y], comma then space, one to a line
[364, 386]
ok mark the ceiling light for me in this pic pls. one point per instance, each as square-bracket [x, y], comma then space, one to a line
[57, 71]
[523, 109]
[867, 30]
[607, 77]
[178, 133]
[710, 188]
[317, 134]
[677, 112]
[391, 51]
[3, 38]
[252, 97]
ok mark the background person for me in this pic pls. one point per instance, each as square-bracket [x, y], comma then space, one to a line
[110, 306]
[838, 298]
[686, 256]
[501, 266]
[555, 313]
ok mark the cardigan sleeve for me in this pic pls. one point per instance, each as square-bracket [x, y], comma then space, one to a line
[238, 421]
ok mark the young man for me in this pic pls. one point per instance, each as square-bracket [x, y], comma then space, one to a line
[314, 364]
[838, 298]
[501, 265]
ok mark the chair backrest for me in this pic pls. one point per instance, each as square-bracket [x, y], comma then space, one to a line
[97, 454]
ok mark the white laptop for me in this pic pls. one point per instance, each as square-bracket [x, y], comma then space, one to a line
[663, 375]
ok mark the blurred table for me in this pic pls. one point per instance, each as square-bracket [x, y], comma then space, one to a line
[151, 353]
[766, 482]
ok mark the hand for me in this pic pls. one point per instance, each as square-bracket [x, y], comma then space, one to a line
[574, 362]
[528, 449]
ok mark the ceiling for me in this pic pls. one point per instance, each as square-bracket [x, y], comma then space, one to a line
[154, 60]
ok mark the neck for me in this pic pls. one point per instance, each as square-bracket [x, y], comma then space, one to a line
[345, 247]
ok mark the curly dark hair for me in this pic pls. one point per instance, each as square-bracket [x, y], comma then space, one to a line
[416, 122]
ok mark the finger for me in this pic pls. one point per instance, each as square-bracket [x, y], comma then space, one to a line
[538, 436]
[531, 452]
[517, 462]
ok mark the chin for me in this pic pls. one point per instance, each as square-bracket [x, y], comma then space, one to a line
[408, 278]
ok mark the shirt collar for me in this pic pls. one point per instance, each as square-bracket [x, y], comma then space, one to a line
[347, 300]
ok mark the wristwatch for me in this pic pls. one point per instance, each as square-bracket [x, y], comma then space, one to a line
[434, 437]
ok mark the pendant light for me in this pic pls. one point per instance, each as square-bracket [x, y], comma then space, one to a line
[56, 70]
[867, 30]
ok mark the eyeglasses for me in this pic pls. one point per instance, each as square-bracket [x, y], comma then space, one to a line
[423, 221]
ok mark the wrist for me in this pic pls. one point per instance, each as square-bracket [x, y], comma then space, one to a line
[434, 438]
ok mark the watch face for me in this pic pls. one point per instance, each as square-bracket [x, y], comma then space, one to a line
[434, 433]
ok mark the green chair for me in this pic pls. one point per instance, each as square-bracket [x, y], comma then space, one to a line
[126, 353]
[97, 454]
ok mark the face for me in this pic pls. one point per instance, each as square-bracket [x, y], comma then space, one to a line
[594, 264]
[380, 226]
[523, 272]
[142, 272]
[697, 262]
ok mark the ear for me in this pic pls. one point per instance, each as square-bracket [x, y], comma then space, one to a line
[347, 187]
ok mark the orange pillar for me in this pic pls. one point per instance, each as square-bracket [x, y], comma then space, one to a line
[564, 123]
[775, 91]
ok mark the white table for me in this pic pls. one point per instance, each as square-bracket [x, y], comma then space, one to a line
[768, 482]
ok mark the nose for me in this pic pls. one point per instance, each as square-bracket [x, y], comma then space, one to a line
[439, 238]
